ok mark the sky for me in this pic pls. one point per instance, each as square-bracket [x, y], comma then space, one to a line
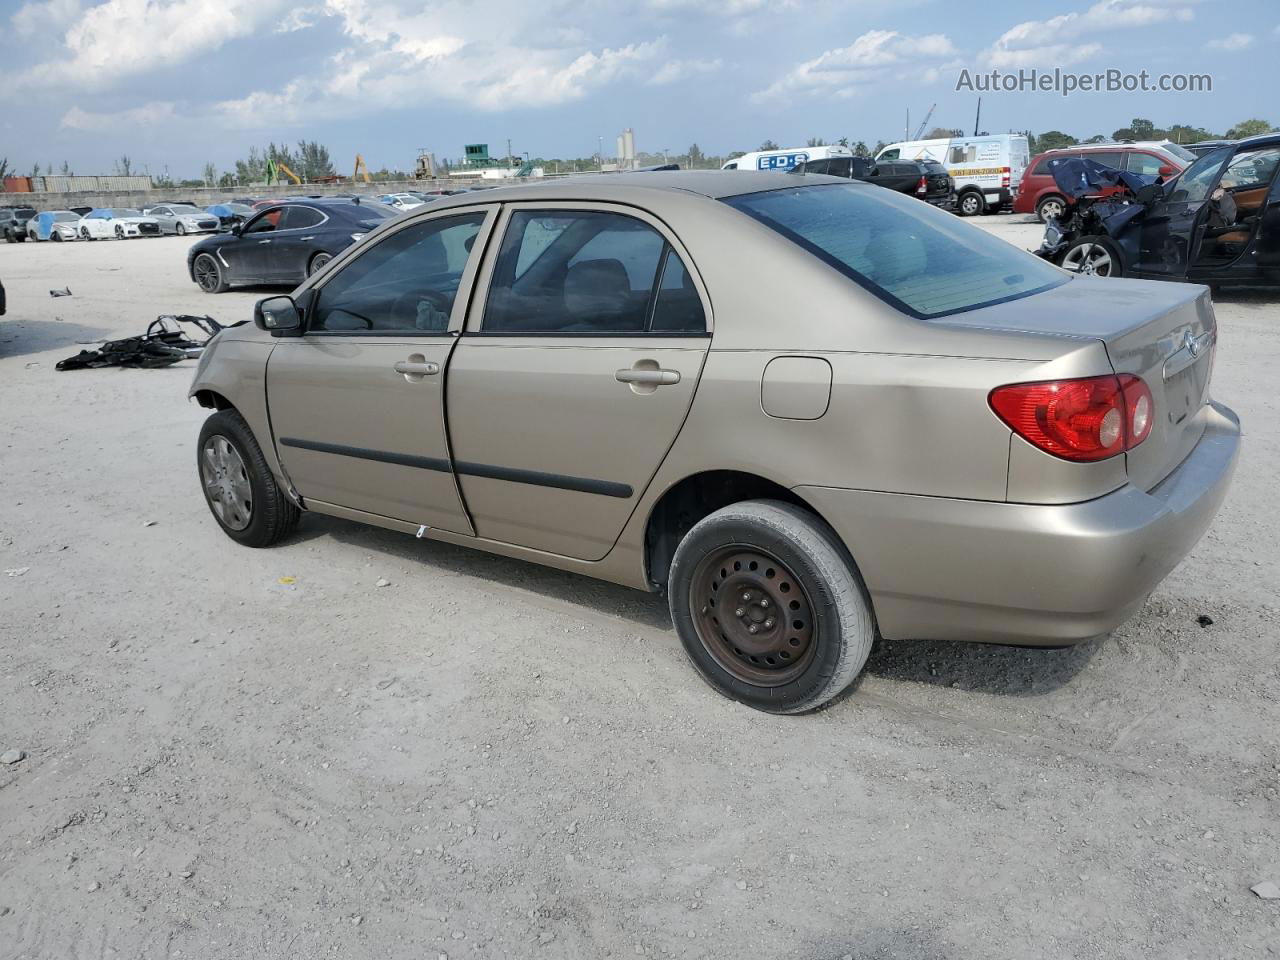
[176, 84]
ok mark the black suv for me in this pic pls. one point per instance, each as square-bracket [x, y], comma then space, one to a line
[13, 222]
[926, 180]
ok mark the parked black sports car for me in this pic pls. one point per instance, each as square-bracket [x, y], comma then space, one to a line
[925, 180]
[1217, 222]
[283, 244]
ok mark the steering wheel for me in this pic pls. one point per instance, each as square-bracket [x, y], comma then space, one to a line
[407, 304]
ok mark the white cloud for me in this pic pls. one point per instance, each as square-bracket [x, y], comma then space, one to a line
[1057, 41]
[876, 56]
[674, 71]
[300, 18]
[124, 37]
[35, 18]
[149, 114]
[1235, 41]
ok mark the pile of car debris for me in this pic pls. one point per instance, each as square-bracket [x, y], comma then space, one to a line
[164, 344]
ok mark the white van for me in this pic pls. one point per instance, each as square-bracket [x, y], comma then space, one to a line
[986, 170]
[784, 160]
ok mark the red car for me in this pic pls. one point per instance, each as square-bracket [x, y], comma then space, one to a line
[1038, 193]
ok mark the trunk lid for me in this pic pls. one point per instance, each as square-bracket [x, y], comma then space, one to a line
[1164, 333]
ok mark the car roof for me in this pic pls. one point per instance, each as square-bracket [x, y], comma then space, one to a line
[708, 184]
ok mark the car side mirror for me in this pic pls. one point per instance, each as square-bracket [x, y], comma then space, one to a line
[237, 228]
[279, 316]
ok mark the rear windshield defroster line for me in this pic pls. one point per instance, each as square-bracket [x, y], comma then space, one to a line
[920, 260]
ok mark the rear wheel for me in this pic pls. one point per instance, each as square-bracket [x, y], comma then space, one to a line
[1050, 208]
[1092, 256]
[317, 262]
[769, 608]
[240, 489]
[208, 274]
[970, 204]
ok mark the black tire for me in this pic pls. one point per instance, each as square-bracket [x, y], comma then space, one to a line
[1047, 204]
[1092, 256]
[180, 230]
[8, 237]
[814, 578]
[85, 234]
[22, 237]
[317, 262]
[970, 203]
[56, 237]
[119, 232]
[272, 515]
[208, 274]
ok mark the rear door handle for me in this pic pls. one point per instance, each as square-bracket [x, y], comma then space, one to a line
[264, 241]
[416, 370]
[306, 238]
[655, 378]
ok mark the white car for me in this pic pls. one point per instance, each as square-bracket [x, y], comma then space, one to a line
[402, 201]
[183, 218]
[104, 223]
[55, 225]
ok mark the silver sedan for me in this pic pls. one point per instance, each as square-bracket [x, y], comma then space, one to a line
[183, 218]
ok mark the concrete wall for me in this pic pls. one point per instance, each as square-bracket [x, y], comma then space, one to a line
[205, 196]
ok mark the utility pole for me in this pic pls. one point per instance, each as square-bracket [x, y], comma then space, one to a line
[508, 153]
[600, 153]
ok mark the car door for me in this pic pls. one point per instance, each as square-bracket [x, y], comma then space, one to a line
[168, 222]
[293, 242]
[248, 256]
[1227, 231]
[1166, 233]
[575, 374]
[357, 401]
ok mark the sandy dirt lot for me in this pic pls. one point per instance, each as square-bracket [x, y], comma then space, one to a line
[489, 759]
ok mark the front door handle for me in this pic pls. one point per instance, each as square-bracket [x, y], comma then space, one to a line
[415, 370]
[264, 241]
[306, 238]
[655, 378]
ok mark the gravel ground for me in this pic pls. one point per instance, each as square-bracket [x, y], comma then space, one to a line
[489, 759]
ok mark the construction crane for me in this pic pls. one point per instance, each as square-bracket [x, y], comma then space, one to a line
[360, 168]
[924, 123]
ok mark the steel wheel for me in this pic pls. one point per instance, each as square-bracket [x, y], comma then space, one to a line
[753, 616]
[1088, 258]
[226, 482]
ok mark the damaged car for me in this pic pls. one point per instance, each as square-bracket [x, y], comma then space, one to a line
[1217, 222]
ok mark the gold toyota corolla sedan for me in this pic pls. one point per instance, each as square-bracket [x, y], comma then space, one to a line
[813, 412]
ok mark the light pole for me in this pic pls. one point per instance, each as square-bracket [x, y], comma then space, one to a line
[600, 153]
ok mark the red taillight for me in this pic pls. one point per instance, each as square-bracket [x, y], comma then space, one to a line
[1004, 176]
[1092, 418]
[923, 185]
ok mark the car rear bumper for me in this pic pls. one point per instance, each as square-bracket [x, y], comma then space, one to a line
[1040, 575]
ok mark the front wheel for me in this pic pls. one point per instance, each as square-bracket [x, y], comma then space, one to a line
[769, 607]
[1050, 208]
[180, 230]
[240, 489]
[208, 274]
[56, 237]
[119, 232]
[970, 204]
[1092, 256]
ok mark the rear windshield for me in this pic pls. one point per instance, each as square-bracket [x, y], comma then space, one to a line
[923, 261]
[932, 167]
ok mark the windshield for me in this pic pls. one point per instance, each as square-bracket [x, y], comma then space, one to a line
[24, 212]
[62, 216]
[125, 212]
[185, 209]
[1193, 184]
[923, 261]
[1182, 153]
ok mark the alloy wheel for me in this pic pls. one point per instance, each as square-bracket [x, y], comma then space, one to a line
[318, 262]
[226, 482]
[1090, 259]
[970, 204]
[180, 230]
[206, 272]
[1051, 210]
[753, 615]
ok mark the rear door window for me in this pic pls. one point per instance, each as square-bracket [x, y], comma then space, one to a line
[1147, 164]
[586, 272]
[920, 260]
[300, 218]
